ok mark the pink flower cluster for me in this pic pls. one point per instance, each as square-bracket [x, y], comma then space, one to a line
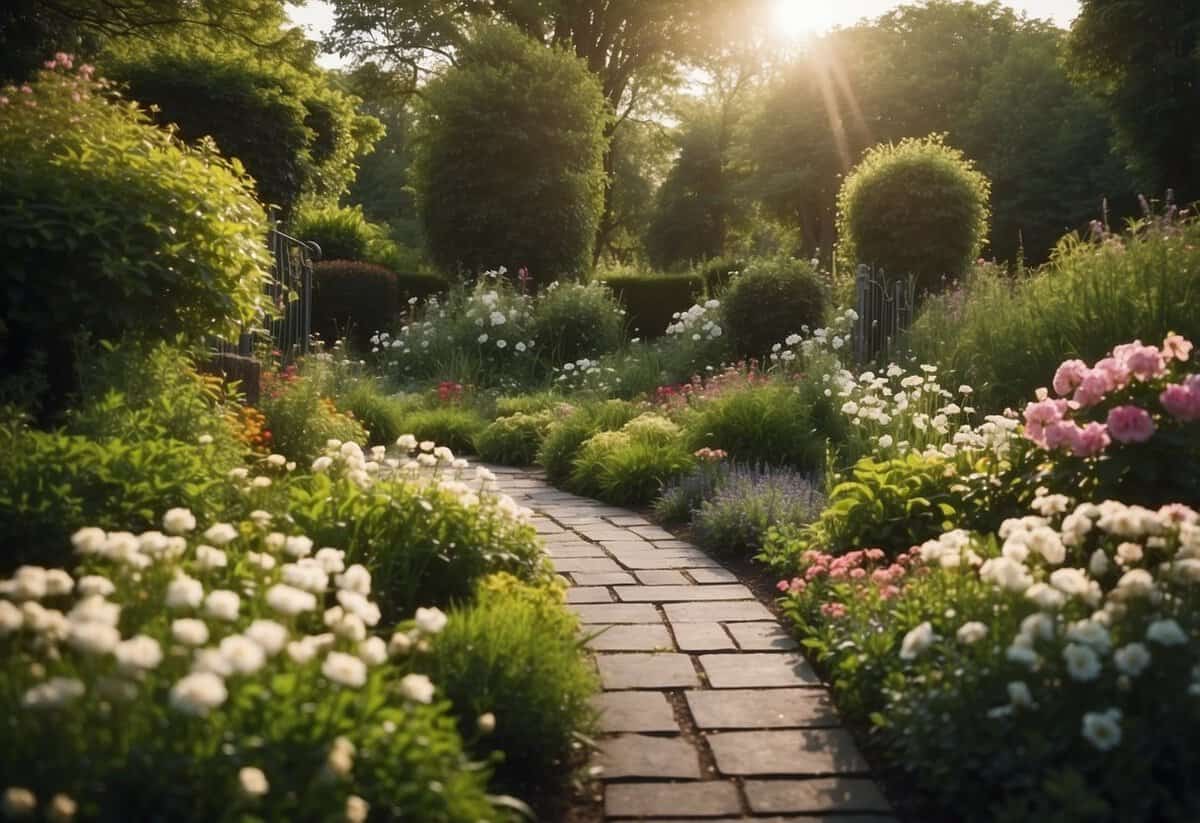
[862, 567]
[1048, 423]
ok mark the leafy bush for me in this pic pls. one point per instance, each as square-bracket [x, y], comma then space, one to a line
[768, 423]
[493, 193]
[651, 300]
[527, 403]
[748, 502]
[573, 320]
[52, 484]
[514, 440]
[342, 232]
[917, 207]
[353, 300]
[1006, 336]
[234, 700]
[514, 657]
[695, 342]
[717, 273]
[565, 438]
[112, 227]
[384, 417]
[455, 427]
[632, 465]
[769, 300]
[300, 418]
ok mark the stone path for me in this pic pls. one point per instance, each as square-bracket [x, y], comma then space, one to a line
[709, 712]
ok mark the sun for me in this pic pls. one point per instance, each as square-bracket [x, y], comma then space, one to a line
[793, 19]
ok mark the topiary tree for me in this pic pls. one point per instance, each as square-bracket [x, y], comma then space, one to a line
[510, 168]
[915, 207]
[112, 227]
[771, 299]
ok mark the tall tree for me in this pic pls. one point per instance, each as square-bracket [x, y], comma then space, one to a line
[1143, 57]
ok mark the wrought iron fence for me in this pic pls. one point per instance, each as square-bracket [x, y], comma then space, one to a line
[885, 307]
[288, 321]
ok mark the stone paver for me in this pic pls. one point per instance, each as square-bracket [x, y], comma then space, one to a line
[628, 638]
[646, 671]
[761, 670]
[718, 681]
[645, 799]
[761, 708]
[819, 795]
[643, 711]
[639, 755]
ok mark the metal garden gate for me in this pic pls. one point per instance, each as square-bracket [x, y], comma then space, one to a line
[885, 307]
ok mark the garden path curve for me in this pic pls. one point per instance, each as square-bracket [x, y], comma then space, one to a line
[708, 711]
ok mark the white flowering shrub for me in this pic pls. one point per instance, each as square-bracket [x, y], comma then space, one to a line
[695, 341]
[200, 674]
[1048, 672]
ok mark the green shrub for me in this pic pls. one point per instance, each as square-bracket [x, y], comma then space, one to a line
[342, 232]
[1006, 337]
[917, 207]
[567, 436]
[514, 440]
[515, 654]
[769, 300]
[748, 502]
[382, 416]
[510, 171]
[52, 484]
[651, 300]
[770, 423]
[527, 403]
[572, 320]
[353, 300]
[696, 343]
[301, 419]
[717, 273]
[112, 227]
[452, 426]
[322, 720]
[632, 465]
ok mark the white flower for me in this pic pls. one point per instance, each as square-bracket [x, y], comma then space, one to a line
[360, 606]
[1045, 597]
[290, 601]
[62, 808]
[1132, 659]
[179, 521]
[198, 693]
[520, 347]
[1006, 573]
[1166, 633]
[89, 540]
[297, 545]
[417, 688]
[220, 534]
[260, 560]
[1083, 663]
[243, 655]
[1046, 542]
[357, 809]
[140, 653]
[189, 631]
[356, 579]
[209, 558]
[276, 460]
[1098, 563]
[1090, 633]
[407, 442]
[1019, 694]
[93, 638]
[885, 441]
[970, 633]
[322, 463]
[917, 640]
[261, 482]
[1103, 729]
[400, 644]
[431, 621]
[222, 604]
[252, 782]
[55, 692]
[344, 669]
[11, 618]
[28, 583]
[1135, 583]
[19, 802]
[261, 518]
[373, 651]
[268, 634]
[483, 338]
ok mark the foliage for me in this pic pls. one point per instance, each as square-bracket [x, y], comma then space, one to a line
[768, 423]
[916, 207]
[747, 502]
[770, 299]
[493, 192]
[355, 300]
[651, 299]
[1006, 338]
[565, 438]
[717, 273]
[113, 227]
[514, 440]
[301, 418]
[383, 416]
[294, 132]
[528, 403]
[205, 685]
[573, 320]
[513, 666]
[456, 427]
[1140, 57]
[695, 342]
[684, 494]
[639, 155]
[630, 466]
[52, 484]
[342, 232]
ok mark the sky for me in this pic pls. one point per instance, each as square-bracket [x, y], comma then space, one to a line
[794, 17]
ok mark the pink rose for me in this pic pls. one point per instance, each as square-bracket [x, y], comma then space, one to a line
[1042, 415]
[1145, 362]
[1181, 402]
[1177, 347]
[1069, 376]
[1115, 371]
[1130, 424]
[1090, 440]
[1092, 388]
[1061, 435]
